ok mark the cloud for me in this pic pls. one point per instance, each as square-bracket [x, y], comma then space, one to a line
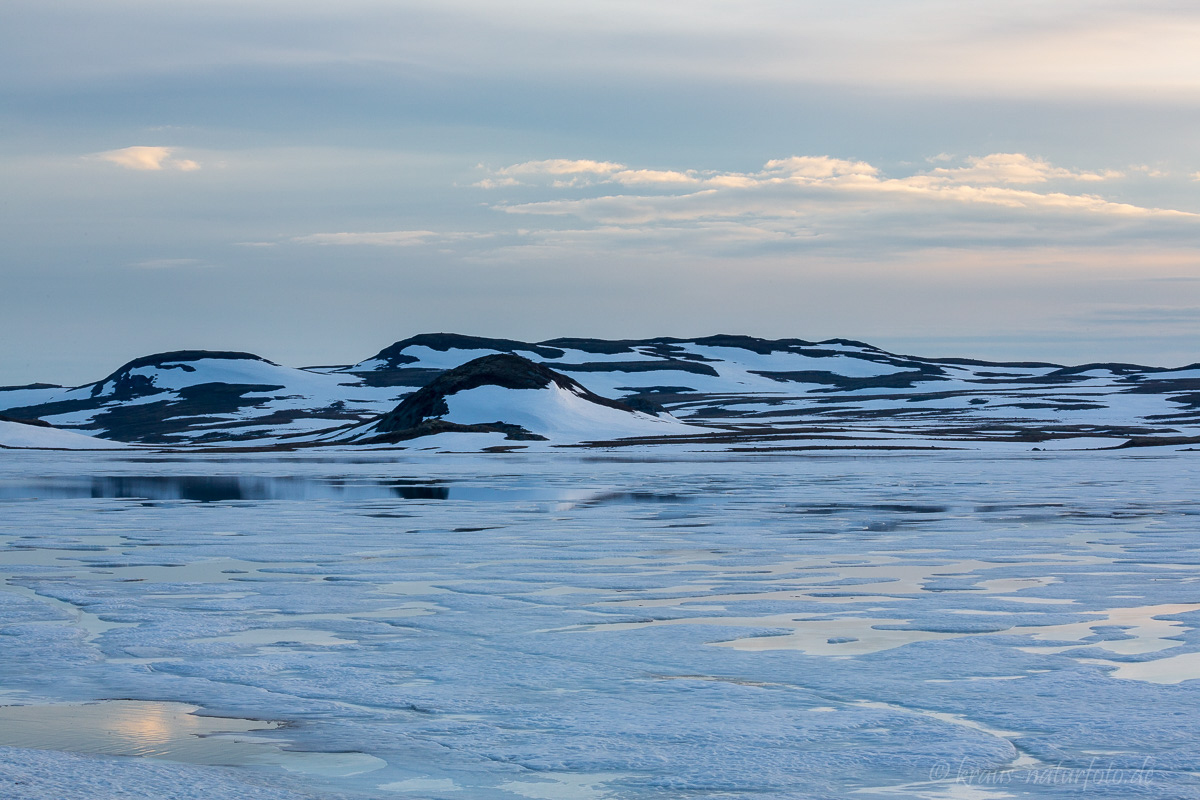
[148, 158]
[820, 186]
[636, 177]
[1014, 168]
[168, 263]
[562, 171]
[1146, 315]
[565, 173]
[816, 168]
[1149, 170]
[378, 238]
[562, 166]
[385, 238]
[823, 206]
[1009, 200]
[497, 183]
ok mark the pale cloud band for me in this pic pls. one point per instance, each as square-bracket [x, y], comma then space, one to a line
[378, 238]
[839, 206]
[148, 159]
[819, 200]
[401, 238]
[994, 169]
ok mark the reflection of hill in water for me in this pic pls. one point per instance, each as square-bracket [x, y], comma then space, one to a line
[228, 488]
[217, 488]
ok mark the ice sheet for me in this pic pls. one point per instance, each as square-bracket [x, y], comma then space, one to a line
[592, 625]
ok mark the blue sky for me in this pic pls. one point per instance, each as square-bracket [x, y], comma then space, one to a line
[312, 181]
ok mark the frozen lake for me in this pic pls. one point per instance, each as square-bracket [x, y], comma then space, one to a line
[562, 626]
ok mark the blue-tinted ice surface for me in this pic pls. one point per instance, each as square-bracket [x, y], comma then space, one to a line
[938, 625]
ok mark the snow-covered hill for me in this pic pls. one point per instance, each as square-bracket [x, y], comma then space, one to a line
[198, 396]
[762, 391]
[504, 393]
[734, 391]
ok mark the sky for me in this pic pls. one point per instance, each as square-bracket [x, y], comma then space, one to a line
[311, 181]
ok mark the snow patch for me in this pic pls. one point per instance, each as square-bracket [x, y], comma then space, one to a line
[20, 435]
[556, 413]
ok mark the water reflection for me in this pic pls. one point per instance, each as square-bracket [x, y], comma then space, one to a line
[169, 731]
[165, 731]
[216, 488]
[224, 488]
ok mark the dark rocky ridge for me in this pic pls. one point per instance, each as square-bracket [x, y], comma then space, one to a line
[895, 380]
[31, 386]
[670, 354]
[37, 423]
[394, 355]
[673, 364]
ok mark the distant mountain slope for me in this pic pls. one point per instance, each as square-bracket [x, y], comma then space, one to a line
[742, 390]
[508, 394]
